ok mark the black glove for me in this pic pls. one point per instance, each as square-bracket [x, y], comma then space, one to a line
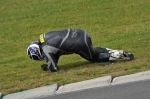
[53, 69]
[44, 67]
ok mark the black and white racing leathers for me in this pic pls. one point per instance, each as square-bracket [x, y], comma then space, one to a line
[56, 43]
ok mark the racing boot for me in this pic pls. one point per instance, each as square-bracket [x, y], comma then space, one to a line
[116, 54]
[126, 55]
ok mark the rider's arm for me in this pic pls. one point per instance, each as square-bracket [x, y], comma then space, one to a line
[52, 63]
[50, 59]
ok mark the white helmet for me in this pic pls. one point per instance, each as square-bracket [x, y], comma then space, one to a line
[33, 51]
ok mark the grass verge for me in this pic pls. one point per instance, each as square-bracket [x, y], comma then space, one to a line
[122, 24]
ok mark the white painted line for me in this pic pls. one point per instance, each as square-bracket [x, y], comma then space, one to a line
[131, 78]
[33, 93]
[0, 95]
[97, 82]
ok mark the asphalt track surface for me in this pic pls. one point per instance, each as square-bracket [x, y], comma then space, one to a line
[132, 90]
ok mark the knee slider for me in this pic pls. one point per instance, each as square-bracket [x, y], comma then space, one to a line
[103, 57]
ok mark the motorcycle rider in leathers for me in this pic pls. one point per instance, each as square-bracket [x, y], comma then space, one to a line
[53, 44]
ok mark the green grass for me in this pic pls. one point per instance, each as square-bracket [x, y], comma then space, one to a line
[116, 24]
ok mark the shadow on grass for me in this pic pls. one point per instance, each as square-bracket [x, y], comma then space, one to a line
[69, 66]
[75, 65]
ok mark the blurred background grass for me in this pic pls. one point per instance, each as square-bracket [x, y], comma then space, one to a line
[116, 24]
